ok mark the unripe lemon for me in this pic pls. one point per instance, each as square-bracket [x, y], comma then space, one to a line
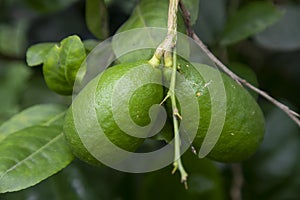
[92, 110]
[241, 133]
[243, 127]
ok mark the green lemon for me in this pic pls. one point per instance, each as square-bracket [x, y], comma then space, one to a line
[241, 132]
[93, 110]
[242, 128]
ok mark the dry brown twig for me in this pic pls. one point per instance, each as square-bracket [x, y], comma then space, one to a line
[187, 19]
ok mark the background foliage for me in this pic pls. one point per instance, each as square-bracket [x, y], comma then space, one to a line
[271, 52]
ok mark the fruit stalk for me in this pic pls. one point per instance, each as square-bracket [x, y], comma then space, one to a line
[165, 48]
[177, 143]
[170, 60]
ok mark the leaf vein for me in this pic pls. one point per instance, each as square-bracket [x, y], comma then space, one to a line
[30, 156]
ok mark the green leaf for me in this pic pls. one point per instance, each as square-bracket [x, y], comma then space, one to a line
[13, 38]
[96, 18]
[31, 155]
[36, 54]
[284, 35]
[193, 7]
[249, 20]
[32, 147]
[62, 64]
[150, 13]
[77, 182]
[13, 82]
[147, 13]
[36, 115]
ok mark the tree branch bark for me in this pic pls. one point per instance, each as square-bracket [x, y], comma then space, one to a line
[186, 15]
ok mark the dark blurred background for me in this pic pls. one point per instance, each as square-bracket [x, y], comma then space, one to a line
[274, 56]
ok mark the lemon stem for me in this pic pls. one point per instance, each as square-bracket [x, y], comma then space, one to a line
[176, 116]
[165, 48]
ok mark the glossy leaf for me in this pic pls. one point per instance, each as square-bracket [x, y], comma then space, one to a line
[78, 181]
[30, 155]
[96, 18]
[147, 13]
[33, 116]
[193, 7]
[285, 34]
[37, 53]
[150, 14]
[62, 64]
[32, 147]
[249, 20]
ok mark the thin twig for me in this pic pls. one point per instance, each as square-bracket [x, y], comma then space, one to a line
[237, 182]
[292, 114]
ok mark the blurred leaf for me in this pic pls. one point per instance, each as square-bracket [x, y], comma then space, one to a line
[13, 82]
[204, 182]
[36, 54]
[46, 6]
[249, 20]
[211, 20]
[273, 173]
[37, 92]
[62, 64]
[193, 7]
[246, 73]
[285, 34]
[31, 155]
[33, 116]
[96, 18]
[13, 38]
[56, 26]
[90, 44]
